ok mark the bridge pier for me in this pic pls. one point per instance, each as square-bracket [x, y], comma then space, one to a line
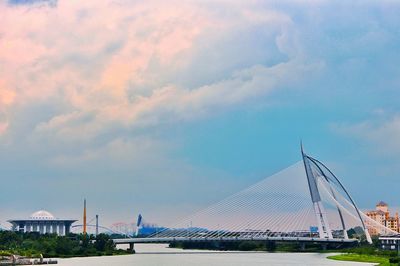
[270, 246]
[131, 248]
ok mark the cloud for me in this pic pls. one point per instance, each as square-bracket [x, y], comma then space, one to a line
[3, 127]
[7, 98]
[381, 132]
[125, 152]
[172, 104]
[120, 63]
[84, 85]
[32, 2]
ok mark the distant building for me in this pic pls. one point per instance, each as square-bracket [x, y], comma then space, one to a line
[149, 229]
[43, 222]
[381, 215]
[393, 223]
[146, 229]
[382, 206]
[390, 242]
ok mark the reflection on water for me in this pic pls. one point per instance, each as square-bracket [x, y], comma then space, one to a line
[161, 255]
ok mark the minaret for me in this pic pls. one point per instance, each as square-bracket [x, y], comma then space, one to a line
[97, 224]
[84, 217]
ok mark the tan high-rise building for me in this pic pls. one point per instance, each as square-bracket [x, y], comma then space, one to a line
[393, 223]
[381, 216]
[382, 206]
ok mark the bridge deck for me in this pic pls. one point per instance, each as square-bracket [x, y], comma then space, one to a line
[230, 239]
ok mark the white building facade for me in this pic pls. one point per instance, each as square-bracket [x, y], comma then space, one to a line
[43, 222]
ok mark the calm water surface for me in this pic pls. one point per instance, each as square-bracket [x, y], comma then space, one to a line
[160, 255]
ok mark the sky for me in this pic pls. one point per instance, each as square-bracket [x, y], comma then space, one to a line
[164, 107]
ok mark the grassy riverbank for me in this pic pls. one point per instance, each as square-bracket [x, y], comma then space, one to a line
[379, 260]
[368, 253]
[53, 246]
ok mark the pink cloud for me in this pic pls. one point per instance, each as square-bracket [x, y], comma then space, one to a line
[39, 44]
[7, 97]
[3, 127]
[87, 57]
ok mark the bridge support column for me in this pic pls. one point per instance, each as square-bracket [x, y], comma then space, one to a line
[270, 246]
[323, 225]
[131, 248]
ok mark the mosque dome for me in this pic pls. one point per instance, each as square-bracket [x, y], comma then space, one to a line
[42, 215]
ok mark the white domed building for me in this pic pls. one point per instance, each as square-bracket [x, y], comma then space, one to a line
[43, 222]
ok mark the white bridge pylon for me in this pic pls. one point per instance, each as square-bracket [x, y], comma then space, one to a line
[318, 175]
[304, 201]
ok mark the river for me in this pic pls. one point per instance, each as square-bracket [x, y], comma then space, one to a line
[161, 255]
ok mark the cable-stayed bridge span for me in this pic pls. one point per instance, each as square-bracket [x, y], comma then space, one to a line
[303, 203]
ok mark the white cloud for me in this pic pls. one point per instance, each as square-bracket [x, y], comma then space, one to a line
[109, 63]
[381, 132]
[171, 104]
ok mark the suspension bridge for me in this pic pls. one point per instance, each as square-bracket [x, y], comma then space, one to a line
[304, 203]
